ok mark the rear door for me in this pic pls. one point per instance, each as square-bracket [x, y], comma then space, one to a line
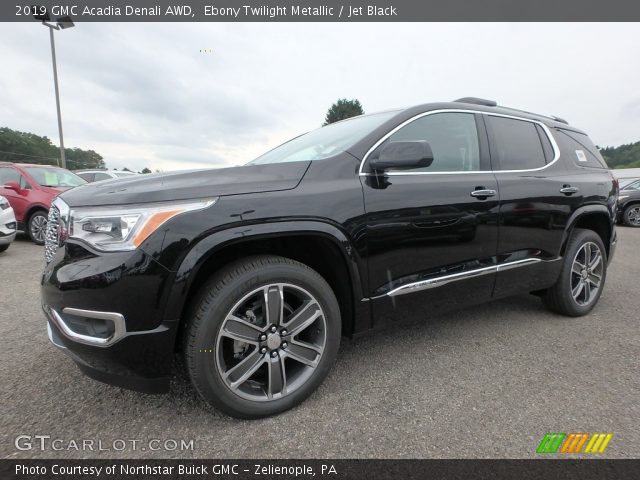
[431, 239]
[537, 196]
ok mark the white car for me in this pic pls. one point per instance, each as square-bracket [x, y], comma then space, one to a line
[98, 175]
[7, 224]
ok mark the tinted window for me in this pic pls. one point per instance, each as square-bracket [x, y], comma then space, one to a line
[453, 138]
[517, 143]
[584, 152]
[102, 176]
[9, 175]
[635, 186]
[88, 176]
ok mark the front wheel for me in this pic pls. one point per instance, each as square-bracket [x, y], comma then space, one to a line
[582, 278]
[262, 336]
[631, 216]
[37, 227]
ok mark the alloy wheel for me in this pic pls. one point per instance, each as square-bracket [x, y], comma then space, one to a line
[586, 273]
[633, 215]
[271, 342]
[38, 227]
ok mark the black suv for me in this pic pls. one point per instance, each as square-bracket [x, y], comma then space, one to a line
[254, 273]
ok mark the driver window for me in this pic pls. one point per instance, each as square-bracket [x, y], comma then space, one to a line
[453, 138]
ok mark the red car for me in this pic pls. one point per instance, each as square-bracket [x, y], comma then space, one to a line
[30, 190]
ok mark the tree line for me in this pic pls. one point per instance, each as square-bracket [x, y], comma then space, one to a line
[25, 147]
[624, 156]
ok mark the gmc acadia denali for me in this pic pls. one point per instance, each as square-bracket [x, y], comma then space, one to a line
[254, 273]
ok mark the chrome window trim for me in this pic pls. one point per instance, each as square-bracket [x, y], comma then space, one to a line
[554, 145]
[445, 279]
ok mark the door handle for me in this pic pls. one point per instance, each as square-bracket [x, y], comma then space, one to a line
[569, 190]
[483, 193]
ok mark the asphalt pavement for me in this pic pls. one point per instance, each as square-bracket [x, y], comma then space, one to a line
[488, 381]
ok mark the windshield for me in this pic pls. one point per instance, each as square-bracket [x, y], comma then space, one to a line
[326, 141]
[54, 177]
[633, 186]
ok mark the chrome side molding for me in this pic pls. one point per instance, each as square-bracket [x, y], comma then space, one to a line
[454, 277]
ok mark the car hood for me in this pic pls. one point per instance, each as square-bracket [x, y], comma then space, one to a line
[188, 184]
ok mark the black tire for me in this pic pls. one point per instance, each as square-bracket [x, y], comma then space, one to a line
[222, 297]
[36, 226]
[631, 215]
[3, 248]
[560, 297]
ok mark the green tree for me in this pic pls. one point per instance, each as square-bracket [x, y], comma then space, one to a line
[24, 147]
[145, 170]
[623, 156]
[342, 109]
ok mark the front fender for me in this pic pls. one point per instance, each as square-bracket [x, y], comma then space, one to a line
[206, 247]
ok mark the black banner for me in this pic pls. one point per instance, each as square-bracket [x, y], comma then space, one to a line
[325, 10]
[306, 469]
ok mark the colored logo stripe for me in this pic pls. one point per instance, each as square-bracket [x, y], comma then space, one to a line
[551, 442]
[598, 442]
[574, 442]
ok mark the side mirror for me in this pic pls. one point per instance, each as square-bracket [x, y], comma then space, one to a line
[403, 155]
[12, 186]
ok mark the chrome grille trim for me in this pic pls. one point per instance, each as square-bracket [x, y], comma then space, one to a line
[51, 238]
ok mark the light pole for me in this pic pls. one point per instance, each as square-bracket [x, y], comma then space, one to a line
[60, 24]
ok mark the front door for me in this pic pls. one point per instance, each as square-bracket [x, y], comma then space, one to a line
[432, 232]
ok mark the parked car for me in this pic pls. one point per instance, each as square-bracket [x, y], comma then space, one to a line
[254, 273]
[7, 224]
[99, 175]
[629, 204]
[30, 190]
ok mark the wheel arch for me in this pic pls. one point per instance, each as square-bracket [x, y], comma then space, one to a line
[33, 209]
[592, 217]
[321, 246]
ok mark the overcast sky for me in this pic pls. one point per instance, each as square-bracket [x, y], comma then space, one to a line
[144, 95]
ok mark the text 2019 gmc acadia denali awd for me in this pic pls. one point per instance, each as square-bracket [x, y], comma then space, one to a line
[253, 273]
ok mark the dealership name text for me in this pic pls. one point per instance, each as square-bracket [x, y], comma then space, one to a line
[180, 469]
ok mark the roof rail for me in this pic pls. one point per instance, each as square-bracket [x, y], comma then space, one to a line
[477, 101]
[558, 119]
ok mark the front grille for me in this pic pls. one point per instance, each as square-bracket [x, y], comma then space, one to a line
[51, 240]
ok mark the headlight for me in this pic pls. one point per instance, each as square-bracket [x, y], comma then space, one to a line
[4, 203]
[114, 228]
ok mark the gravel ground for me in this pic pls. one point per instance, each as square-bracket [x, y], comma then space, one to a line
[483, 382]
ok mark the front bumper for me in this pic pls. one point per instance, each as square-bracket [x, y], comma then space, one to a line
[105, 310]
[7, 239]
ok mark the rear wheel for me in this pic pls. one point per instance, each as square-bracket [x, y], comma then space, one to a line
[37, 226]
[262, 336]
[582, 278]
[4, 247]
[631, 216]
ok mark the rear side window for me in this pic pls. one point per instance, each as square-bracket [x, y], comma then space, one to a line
[102, 176]
[582, 150]
[88, 176]
[517, 144]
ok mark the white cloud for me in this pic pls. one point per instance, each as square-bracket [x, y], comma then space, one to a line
[144, 94]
